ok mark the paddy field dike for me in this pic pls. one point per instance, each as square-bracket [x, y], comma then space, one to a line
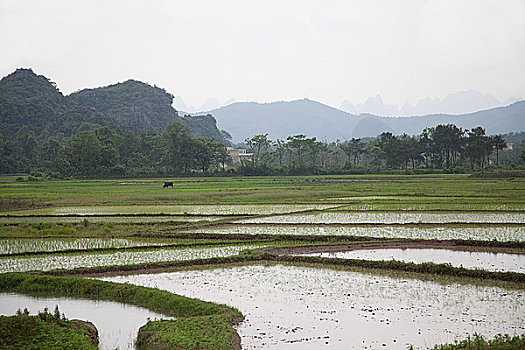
[336, 262]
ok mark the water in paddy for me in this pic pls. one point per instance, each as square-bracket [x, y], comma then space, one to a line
[391, 218]
[471, 260]
[21, 245]
[72, 261]
[308, 308]
[205, 209]
[500, 233]
[117, 323]
[101, 219]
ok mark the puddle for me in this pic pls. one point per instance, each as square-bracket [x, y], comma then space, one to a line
[117, 323]
[391, 218]
[499, 233]
[307, 308]
[471, 260]
[72, 261]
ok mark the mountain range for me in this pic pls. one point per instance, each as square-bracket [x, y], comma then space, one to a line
[32, 104]
[282, 119]
[461, 102]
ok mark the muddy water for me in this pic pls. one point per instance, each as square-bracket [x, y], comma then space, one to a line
[306, 308]
[117, 323]
[470, 260]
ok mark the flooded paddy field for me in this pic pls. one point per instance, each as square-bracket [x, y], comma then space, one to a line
[310, 308]
[479, 233]
[20, 219]
[26, 245]
[285, 306]
[193, 209]
[117, 323]
[398, 217]
[501, 262]
[427, 203]
[86, 260]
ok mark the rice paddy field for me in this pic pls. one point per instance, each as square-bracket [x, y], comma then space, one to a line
[403, 260]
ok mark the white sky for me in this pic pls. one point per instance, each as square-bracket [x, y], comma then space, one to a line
[272, 49]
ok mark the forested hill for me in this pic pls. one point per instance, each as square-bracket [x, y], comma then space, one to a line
[30, 104]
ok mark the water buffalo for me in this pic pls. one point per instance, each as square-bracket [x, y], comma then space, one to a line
[167, 184]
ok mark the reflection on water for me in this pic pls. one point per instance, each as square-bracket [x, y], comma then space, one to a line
[309, 308]
[117, 323]
[470, 260]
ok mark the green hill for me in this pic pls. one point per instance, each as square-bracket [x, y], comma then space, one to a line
[32, 104]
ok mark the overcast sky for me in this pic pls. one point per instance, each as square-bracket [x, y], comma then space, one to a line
[272, 50]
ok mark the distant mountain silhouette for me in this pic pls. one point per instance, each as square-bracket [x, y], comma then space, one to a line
[281, 119]
[461, 102]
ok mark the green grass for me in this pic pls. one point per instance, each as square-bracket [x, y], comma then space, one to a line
[477, 342]
[214, 333]
[45, 331]
[405, 189]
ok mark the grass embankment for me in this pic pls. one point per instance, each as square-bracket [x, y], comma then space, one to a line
[46, 331]
[211, 319]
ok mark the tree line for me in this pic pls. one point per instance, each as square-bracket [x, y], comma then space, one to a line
[444, 147]
[175, 151]
[106, 153]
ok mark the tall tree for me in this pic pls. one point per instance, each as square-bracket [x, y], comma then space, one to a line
[258, 143]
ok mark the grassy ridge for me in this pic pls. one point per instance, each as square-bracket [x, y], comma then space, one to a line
[46, 331]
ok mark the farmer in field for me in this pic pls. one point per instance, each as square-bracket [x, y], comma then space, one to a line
[167, 184]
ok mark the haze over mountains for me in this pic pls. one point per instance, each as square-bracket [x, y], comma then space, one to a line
[208, 105]
[460, 102]
[282, 119]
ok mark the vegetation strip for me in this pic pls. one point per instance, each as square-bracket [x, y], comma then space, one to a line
[189, 312]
